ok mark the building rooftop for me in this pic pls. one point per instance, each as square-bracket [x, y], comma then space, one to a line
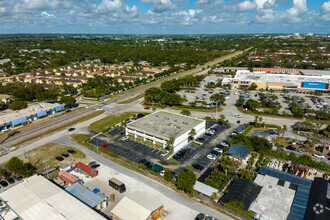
[243, 190]
[30, 110]
[165, 124]
[279, 78]
[85, 195]
[274, 200]
[241, 151]
[38, 198]
[204, 189]
[136, 206]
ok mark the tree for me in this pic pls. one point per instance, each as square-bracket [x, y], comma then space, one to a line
[16, 165]
[253, 86]
[68, 101]
[17, 105]
[284, 129]
[240, 102]
[186, 181]
[218, 98]
[185, 112]
[168, 176]
[252, 104]
[222, 120]
[170, 142]
[193, 133]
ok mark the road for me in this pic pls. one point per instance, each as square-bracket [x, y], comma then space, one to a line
[136, 91]
[63, 138]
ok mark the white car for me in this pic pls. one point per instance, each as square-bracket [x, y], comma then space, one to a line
[235, 93]
[212, 156]
[218, 150]
[318, 155]
[162, 173]
[237, 116]
[124, 138]
[224, 144]
[165, 154]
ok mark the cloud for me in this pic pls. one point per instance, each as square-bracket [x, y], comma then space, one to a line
[325, 11]
[160, 6]
[36, 4]
[246, 6]
[46, 14]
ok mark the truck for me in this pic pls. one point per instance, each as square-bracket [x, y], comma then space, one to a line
[117, 185]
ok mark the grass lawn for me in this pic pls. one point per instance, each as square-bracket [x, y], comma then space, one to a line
[132, 99]
[38, 156]
[108, 122]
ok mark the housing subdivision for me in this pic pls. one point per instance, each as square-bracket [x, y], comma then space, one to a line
[162, 127]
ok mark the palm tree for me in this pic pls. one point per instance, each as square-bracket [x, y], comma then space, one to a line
[193, 133]
[284, 129]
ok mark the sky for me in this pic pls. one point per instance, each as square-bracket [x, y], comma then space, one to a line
[164, 16]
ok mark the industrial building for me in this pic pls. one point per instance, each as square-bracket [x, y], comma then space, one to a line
[238, 152]
[274, 200]
[162, 126]
[292, 82]
[25, 116]
[38, 198]
[91, 199]
[138, 206]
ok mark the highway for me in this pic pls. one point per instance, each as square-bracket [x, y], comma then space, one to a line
[55, 122]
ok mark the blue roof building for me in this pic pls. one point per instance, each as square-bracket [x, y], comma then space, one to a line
[238, 151]
[85, 195]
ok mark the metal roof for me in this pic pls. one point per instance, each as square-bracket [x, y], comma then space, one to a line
[285, 176]
[85, 195]
[240, 150]
[136, 206]
[204, 189]
[38, 198]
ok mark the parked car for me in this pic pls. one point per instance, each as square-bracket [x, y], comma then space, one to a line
[3, 183]
[105, 145]
[211, 156]
[224, 144]
[197, 166]
[142, 161]
[17, 177]
[291, 147]
[10, 180]
[147, 108]
[209, 218]
[177, 158]
[92, 163]
[59, 158]
[303, 151]
[318, 155]
[124, 138]
[72, 151]
[201, 139]
[237, 116]
[200, 216]
[162, 173]
[218, 150]
[148, 165]
[65, 155]
[71, 129]
[238, 122]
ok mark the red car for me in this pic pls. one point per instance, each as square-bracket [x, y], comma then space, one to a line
[210, 92]
[105, 145]
[147, 108]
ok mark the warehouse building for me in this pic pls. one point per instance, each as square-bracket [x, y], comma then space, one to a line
[138, 206]
[298, 83]
[38, 198]
[25, 116]
[162, 126]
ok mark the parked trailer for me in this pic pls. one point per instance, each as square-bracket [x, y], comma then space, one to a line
[117, 185]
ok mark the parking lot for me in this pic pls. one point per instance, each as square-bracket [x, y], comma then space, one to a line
[131, 150]
[192, 154]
